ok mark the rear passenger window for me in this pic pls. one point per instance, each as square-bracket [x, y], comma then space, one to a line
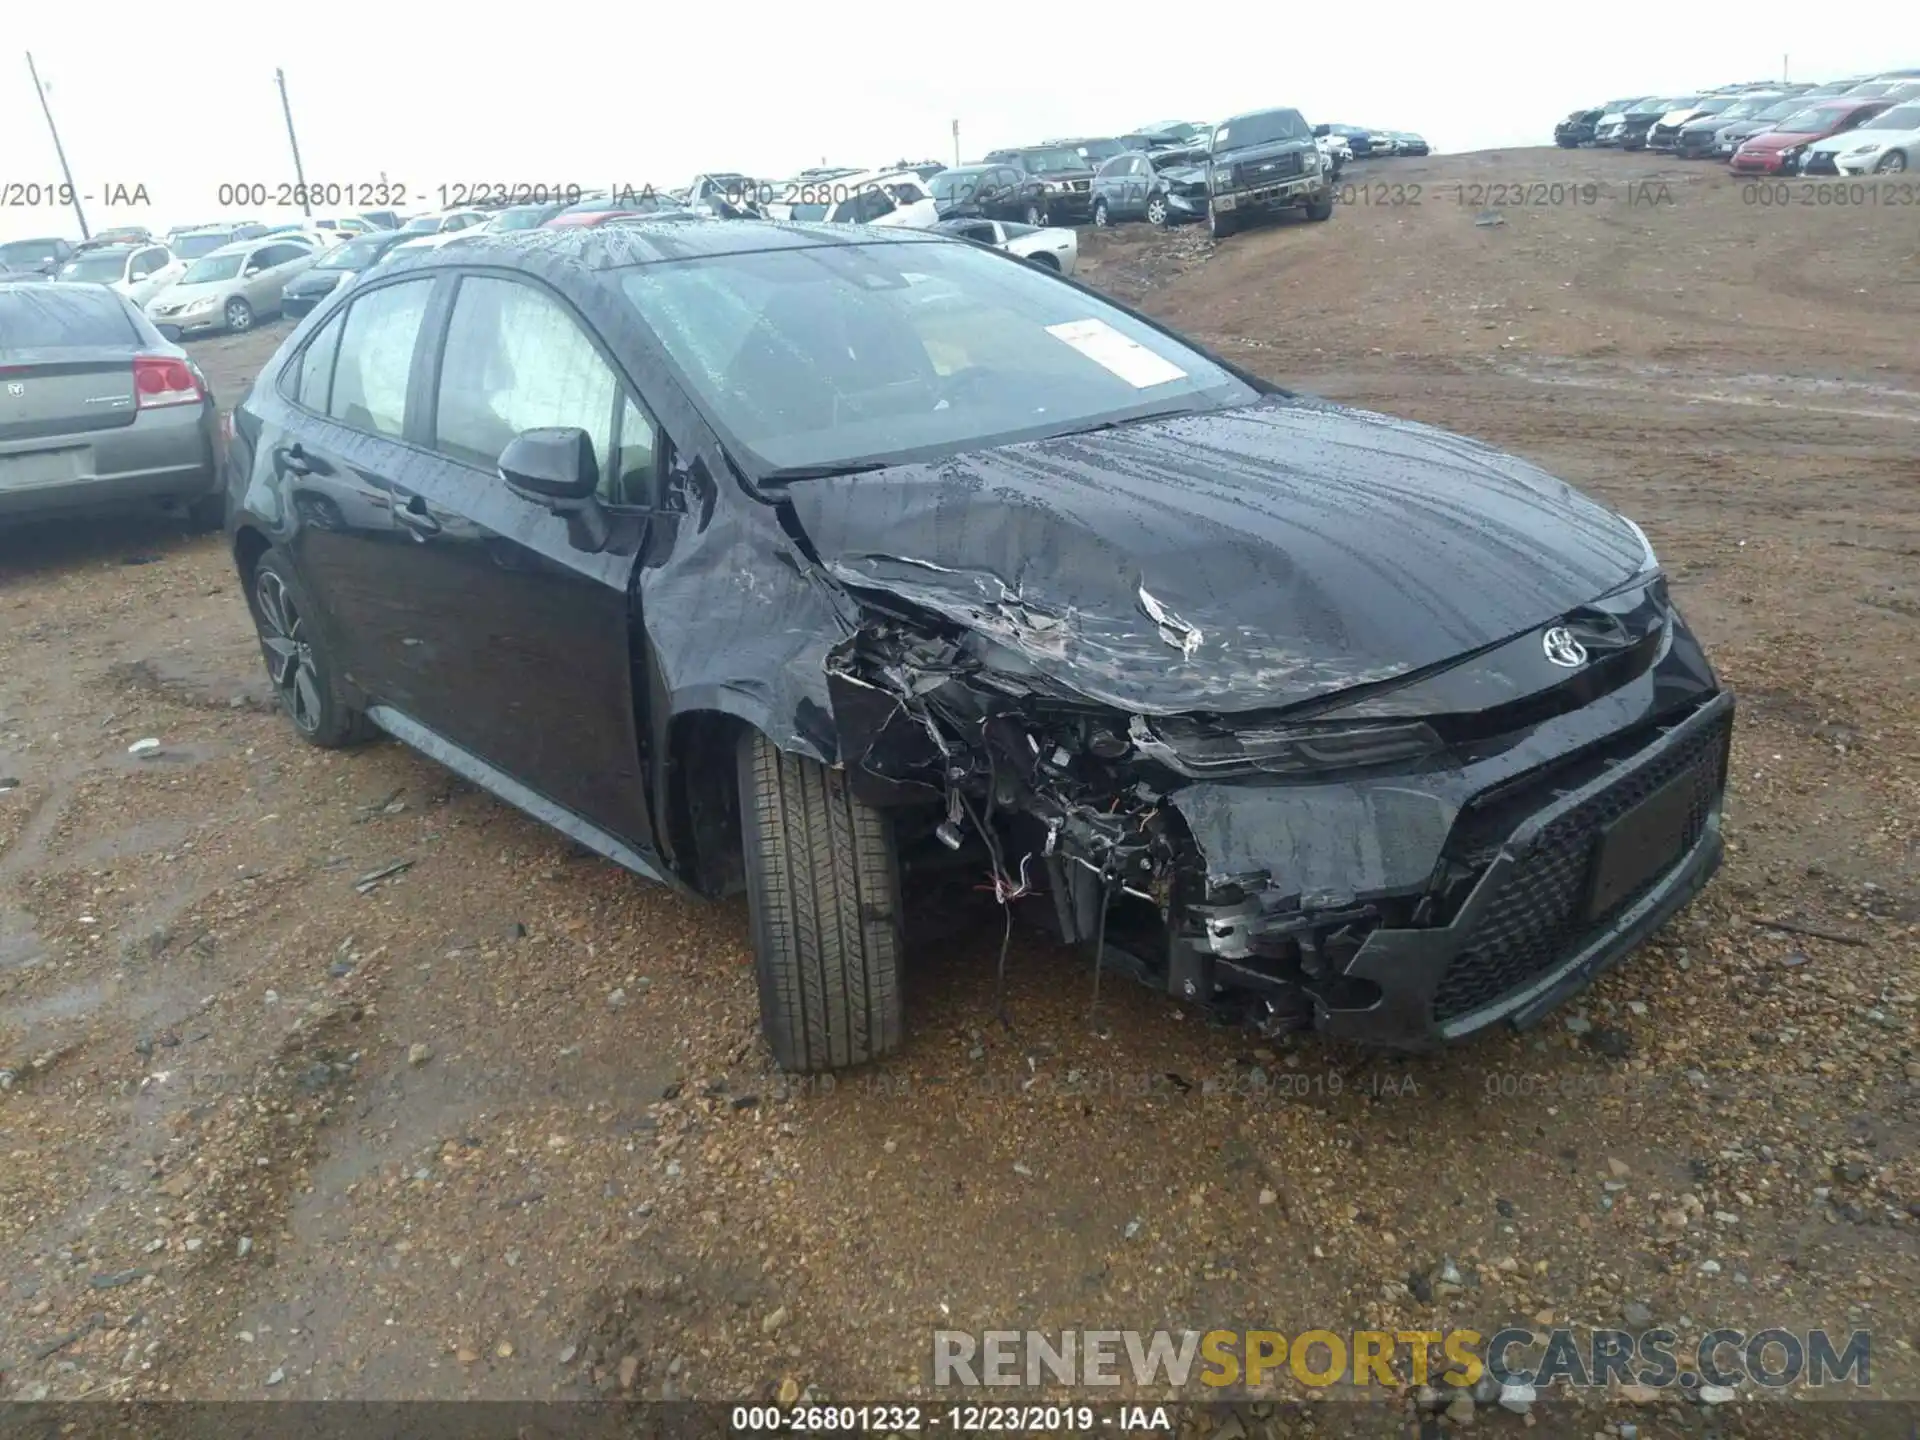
[376, 356]
[313, 380]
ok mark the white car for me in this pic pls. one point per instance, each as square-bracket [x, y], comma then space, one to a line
[1887, 144]
[438, 220]
[1335, 150]
[867, 197]
[419, 244]
[1055, 247]
[138, 272]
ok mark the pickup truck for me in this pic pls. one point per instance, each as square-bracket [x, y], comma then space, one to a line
[1263, 162]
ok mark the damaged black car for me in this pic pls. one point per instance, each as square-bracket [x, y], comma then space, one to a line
[790, 559]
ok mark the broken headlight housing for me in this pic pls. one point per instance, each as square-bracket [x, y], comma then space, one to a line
[1208, 748]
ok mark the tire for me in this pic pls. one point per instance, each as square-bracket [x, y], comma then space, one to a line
[1045, 262]
[304, 677]
[1035, 214]
[1219, 226]
[207, 513]
[1157, 213]
[239, 315]
[1891, 163]
[1101, 218]
[823, 895]
[1321, 209]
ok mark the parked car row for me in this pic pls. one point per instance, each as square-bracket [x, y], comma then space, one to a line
[1865, 125]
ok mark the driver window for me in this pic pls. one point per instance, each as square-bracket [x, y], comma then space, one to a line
[515, 359]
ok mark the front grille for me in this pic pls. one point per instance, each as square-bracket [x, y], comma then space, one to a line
[1260, 172]
[1819, 164]
[1534, 920]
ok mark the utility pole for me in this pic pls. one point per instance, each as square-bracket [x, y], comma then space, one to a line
[956, 144]
[47, 110]
[280, 79]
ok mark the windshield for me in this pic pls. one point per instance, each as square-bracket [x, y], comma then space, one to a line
[951, 183]
[1901, 117]
[838, 355]
[354, 255]
[27, 254]
[1718, 106]
[34, 317]
[1101, 149]
[1052, 162]
[214, 267]
[1262, 129]
[1742, 110]
[421, 225]
[1779, 110]
[521, 217]
[100, 269]
[1873, 91]
[192, 247]
[1814, 117]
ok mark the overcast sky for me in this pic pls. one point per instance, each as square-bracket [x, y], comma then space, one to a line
[182, 99]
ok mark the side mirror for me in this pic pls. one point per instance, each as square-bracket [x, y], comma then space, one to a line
[249, 272]
[555, 466]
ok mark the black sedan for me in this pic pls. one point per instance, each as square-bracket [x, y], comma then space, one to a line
[336, 268]
[785, 557]
[1577, 129]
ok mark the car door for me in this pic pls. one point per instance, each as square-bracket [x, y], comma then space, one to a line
[519, 644]
[1005, 202]
[145, 274]
[256, 277]
[340, 435]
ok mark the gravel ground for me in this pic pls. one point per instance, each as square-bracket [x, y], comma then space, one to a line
[499, 1125]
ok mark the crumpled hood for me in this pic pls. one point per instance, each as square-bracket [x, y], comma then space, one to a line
[1229, 561]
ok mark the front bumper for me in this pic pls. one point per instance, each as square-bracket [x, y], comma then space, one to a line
[1693, 144]
[1186, 207]
[199, 322]
[1067, 203]
[294, 306]
[1524, 938]
[1299, 190]
[1764, 162]
[1858, 164]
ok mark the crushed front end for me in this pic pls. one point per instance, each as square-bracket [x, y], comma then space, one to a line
[1405, 862]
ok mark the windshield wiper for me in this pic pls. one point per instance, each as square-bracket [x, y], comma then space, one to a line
[819, 472]
[1165, 414]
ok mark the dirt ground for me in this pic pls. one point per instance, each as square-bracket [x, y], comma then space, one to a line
[500, 1125]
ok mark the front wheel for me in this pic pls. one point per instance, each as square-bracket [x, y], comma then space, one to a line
[823, 897]
[1035, 215]
[239, 315]
[1101, 218]
[1219, 226]
[1320, 208]
[1892, 163]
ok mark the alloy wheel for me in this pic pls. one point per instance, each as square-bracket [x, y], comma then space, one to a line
[1892, 163]
[1157, 211]
[239, 315]
[289, 652]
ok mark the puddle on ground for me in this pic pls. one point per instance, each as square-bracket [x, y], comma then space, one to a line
[1783, 392]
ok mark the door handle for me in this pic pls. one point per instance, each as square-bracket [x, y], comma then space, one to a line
[295, 459]
[415, 516]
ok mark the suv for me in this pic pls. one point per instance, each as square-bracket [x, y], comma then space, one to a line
[1066, 182]
[1262, 162]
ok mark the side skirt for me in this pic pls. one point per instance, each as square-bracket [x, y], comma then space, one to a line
[469, 766]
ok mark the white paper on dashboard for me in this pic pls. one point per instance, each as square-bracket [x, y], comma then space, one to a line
[1107, 347]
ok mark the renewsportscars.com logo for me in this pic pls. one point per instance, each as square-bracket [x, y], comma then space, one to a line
[1774, 1359]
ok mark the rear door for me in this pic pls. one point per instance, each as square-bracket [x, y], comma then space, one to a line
[518, 645]
[66, 375]
[331, 460]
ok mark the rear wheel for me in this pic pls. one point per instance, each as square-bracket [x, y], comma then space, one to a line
[239, 315]
[823, 894]
[302, 672]
[1036, 215]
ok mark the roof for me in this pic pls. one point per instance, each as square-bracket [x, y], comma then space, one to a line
[650, 241]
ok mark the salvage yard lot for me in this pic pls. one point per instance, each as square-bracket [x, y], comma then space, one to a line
[499, 1124]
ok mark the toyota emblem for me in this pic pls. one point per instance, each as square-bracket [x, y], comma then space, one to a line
[1562, 649]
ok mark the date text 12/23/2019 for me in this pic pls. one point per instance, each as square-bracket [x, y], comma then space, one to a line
[968, 1419]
